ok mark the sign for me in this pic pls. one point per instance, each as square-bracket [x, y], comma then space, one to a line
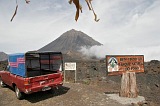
[118, 64]
[70, 66]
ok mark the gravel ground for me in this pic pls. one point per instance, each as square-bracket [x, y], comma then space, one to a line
[71, 94]
[125, 100]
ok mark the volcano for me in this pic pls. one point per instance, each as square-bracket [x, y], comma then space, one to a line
[70, 41]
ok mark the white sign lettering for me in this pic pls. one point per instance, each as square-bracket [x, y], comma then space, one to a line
[70, 66]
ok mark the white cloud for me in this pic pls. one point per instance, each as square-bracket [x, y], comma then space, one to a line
[150, 53]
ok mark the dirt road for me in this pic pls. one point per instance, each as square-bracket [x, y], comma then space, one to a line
[71, 94]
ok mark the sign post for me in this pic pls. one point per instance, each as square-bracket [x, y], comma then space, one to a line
[128, 85]
[70, 66]
[127, 66]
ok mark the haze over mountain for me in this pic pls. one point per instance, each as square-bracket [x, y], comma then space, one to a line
[70, 41]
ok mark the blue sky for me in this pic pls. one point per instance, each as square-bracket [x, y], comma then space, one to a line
[125, 26]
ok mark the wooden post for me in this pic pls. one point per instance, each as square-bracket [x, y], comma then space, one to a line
[133, 85]
[124, 92]
[128, 85]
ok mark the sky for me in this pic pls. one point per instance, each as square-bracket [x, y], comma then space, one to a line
[125, 27]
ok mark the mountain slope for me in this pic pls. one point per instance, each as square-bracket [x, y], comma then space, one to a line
[3, 56]
[71, 40]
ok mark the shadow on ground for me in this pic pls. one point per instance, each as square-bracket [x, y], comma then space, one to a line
[40, 96]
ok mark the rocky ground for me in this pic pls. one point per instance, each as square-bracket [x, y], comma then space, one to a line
[71, 94]
[148, 86]
[3, 64]
[91, 88]
[77, 94]
[94, 73]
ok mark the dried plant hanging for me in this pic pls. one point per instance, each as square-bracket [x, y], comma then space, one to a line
[15, 11]
[27, 1]
[77, 4]
[91, 8]
[79, 7]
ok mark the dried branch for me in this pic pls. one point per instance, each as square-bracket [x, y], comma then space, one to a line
[91, 8]
[76, 3]
[27, 1]
[87, 1]
[79, 7]
[70, 1]
[15, 11]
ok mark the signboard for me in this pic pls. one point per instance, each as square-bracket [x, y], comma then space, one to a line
[70, 66]
[118, 64]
